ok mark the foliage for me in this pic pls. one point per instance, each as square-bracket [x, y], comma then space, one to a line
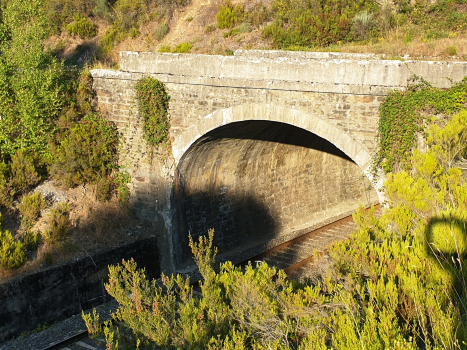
[164, 48]
[452, 50]
[33, 84]
[24, 173]
[82, 27]
[12, 252]
[403, 114]
[113, 35]
[123, 192]
[6, 192]
[86, 153]
[30, 209]
[58, 224]
[30, 240]
[160, 31]
[60, 12]
[92, 322]
[229, 15]
[102, 10]
[183, 48]
[363, 23]
[104, 187]
[153, 103]
[314, 23]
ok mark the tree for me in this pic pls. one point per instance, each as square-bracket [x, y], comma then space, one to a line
[32, 81]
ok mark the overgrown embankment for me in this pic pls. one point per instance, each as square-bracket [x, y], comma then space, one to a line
[87, 29]
[48, 130]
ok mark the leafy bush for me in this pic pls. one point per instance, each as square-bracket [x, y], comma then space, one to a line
[229, 16]
[183, 48]
[209, 28]
[112, 36]
[104, 187]
[123, 192]
[407, 110]
[23, 172]
[164, 48]
[12, 252]
[153, 102]
[452, 50]
[87, 152]
[363, 23]
[102, 10]
[160, 31]
[30, 209]
[82, 27]
[60, 12]
[315, 23]
[6, 192]
[58, 224]
[30, 240]
[33, 84]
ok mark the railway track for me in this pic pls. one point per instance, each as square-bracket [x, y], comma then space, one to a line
[295, 257]
[296, 254]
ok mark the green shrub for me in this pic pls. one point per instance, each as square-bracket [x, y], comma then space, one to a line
[363, 23]
[58, 224]
[229, 16]
[231, 32]
[112, 36]
[30, 240]
[123, 192]
[209, 28]
[452, 50]
[164, 48]
[6, 192]
[82, 27]
[33, 83]
[12, 252]
[183, 48]
[160, 31]
[313, 24]
[258, 14]
[87, 152]
[245, 28]
[102, 10]
[23, 172]
[153, 102]
[30, 209]
[104, 187]
[134, 33]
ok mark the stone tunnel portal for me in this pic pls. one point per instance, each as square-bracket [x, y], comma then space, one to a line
[254, 181]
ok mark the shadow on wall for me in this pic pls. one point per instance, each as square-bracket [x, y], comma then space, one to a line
[235, 220]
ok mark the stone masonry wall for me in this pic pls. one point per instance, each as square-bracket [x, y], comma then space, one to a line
[342, 90]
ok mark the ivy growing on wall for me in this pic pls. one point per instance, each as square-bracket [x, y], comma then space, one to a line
[403, 114]
[153, 103]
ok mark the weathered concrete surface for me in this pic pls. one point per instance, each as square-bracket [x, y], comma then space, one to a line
[331, 95]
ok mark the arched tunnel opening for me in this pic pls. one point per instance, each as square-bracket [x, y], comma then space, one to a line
[256, 181]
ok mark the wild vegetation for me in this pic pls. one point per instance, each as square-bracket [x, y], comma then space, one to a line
[48, 129]
[399, 282]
